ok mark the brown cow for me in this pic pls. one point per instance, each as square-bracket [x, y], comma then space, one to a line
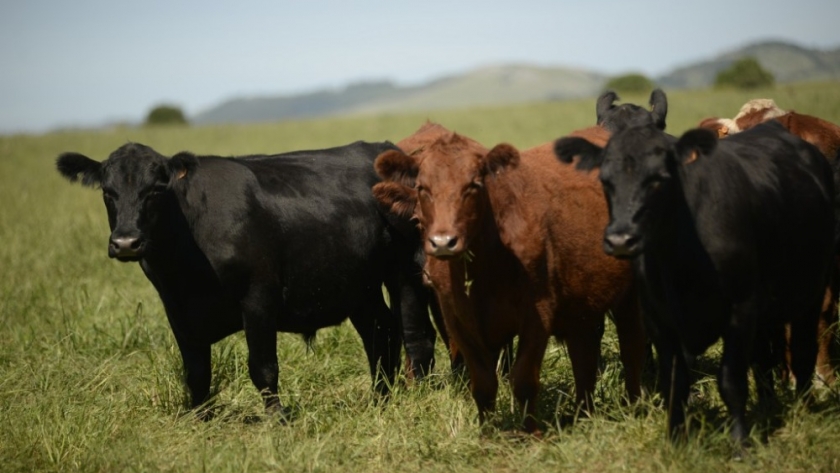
[515, 250]
[820, 133]
[825, 136]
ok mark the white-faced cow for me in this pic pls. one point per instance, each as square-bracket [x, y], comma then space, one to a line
[292, 242]
[512, 251]
[617, 117]
[730, 239]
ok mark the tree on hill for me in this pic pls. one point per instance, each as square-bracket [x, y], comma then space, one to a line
[166, 115]
[745, 73]
[630, 83]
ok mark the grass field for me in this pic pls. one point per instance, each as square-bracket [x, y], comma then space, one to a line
[90, 376]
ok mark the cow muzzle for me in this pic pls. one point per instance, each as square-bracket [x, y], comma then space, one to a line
[622, 245]
[444, 246]
[126, 248]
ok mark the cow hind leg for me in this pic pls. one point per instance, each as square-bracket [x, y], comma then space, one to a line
[732, 379]
[379, 330]
[826, 330]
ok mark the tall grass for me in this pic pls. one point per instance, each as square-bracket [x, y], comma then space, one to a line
[90, 378]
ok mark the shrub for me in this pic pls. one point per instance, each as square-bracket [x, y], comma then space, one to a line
[166, 115]
[630, 83]
[745, 74]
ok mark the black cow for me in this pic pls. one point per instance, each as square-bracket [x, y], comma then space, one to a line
[291, 242]
[617, 117]
[730, 239]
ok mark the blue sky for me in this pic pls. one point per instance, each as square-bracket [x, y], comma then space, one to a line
[88, 61]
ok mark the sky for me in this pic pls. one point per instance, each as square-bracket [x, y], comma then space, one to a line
[87, 62]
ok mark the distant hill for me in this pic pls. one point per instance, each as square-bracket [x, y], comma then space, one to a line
[495, 85]
[788, 63]
[507, 84]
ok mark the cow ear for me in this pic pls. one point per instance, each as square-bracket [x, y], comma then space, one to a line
[591, 155]
[181, 165]
[695, 143]
[658, 107]
[396, 198]
[74, 166]
[604, 105]
[500, 157]
[394, 165]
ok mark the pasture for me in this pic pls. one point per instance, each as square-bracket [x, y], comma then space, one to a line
[90, 375]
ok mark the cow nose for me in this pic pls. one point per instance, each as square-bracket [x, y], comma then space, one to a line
[443, 244]
[124, 246]
[620, 244]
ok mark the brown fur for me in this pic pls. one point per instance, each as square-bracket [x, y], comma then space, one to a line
[529, 263]
[826, 137]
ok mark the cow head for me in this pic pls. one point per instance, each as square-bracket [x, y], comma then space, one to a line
[617, 117]
[136, 183]
[639, 170]
[446, 196]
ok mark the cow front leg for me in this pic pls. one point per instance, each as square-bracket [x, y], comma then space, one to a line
[261, 336]
[380, 334]
[197, 373]
[418, 332]
[525, 374]
[632, 343]
[584, 344]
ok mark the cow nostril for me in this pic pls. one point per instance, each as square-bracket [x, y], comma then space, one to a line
[135, 244]
[452, 242]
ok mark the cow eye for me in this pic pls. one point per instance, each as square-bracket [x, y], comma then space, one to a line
[475, 185]
[108, 194]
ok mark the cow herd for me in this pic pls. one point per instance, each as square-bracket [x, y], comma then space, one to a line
[728, 232]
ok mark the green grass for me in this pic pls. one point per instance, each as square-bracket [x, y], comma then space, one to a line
[90, 377]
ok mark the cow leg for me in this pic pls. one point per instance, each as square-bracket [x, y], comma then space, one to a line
[380, 334]
[261, 336]
[584, 349]
[803, 349]
[525, 373]
[765, 361]
[484, 385]
[826, 331]
[674, 381]
[732, 378]
[412, 300]
[197, 370]
[456, 358]
[677, 390]
[632, 343]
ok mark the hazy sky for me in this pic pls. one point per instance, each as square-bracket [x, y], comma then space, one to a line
[83, 62]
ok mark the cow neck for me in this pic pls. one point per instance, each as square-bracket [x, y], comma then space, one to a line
[172, 238]
[487, 240]
[674, 227]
